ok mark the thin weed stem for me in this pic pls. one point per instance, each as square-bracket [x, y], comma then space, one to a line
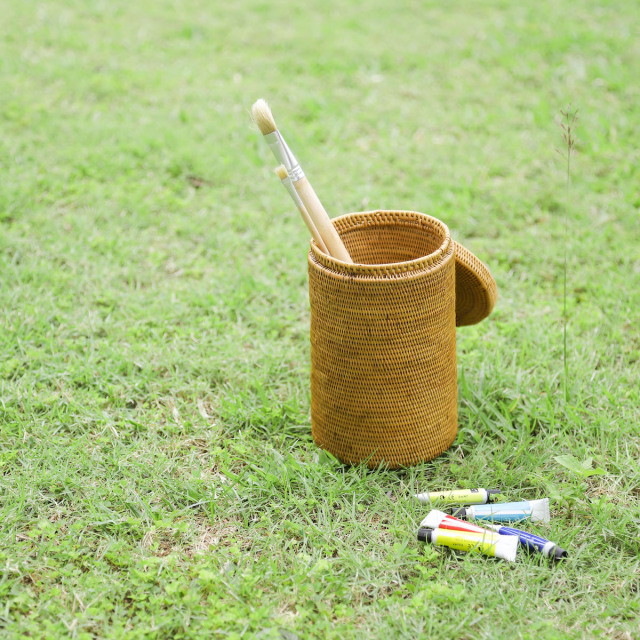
[568, 125]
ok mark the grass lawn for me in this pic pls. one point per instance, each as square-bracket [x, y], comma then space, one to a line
[158, 475]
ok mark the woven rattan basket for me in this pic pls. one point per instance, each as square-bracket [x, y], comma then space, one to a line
[383, 338]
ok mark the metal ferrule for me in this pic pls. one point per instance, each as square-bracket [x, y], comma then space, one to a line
[284, 155]
[296, 173]
[293, 193]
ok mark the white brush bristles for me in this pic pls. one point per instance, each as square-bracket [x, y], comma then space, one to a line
[281, 172]
[262, 117]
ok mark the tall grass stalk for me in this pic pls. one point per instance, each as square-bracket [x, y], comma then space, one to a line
[568, 125]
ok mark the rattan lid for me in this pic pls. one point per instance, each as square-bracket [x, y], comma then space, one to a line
[476, 290]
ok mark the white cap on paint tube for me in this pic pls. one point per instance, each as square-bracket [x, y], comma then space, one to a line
[507, 548]
[433, 519]
[540, 510]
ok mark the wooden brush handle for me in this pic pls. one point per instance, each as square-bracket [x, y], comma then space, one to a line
[313, 230]
[321, 220]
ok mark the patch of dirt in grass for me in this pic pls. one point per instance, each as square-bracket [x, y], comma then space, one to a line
[220, 535]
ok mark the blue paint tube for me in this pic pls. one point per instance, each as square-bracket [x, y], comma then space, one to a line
[535, 510]
[532, 542]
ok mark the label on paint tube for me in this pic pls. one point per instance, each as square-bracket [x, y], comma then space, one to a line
[455, 524]
[487, 543]
[440, 520]
[532, 542]
[505, 512]
[529, 540]
[459, 496]
[537, 510]
[466, 540]
[463, 496]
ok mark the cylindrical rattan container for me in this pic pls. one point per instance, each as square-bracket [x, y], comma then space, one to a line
[383, 340]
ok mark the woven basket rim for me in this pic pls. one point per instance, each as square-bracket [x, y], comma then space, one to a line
[382, 218]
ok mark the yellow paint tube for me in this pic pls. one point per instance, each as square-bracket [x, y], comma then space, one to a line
[460, 496]
[488, 544]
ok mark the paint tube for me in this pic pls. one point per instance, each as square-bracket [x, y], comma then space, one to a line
[532, 542]
[440, 520]
[536, 510]
[488, 543]
[460, 496]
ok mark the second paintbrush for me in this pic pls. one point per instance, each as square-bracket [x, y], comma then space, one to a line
[281, 172]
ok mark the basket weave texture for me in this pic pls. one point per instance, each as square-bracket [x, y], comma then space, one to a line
[383, 340]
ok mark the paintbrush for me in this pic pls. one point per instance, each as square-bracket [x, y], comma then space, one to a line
[281, 172]
[264, 119]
